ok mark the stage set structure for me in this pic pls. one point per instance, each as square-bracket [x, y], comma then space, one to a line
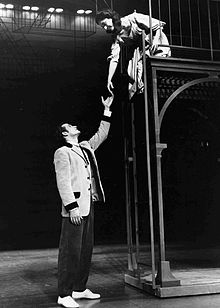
[20, 27]
[191, 73]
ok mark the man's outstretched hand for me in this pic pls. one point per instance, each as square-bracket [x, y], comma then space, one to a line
[107, 102]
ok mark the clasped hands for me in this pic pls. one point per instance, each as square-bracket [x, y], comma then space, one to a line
[108, 101]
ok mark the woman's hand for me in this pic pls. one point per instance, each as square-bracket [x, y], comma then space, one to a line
[110, 87]
[153, 48]
[156, 41]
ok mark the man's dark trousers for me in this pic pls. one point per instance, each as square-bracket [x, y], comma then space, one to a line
[75, 254]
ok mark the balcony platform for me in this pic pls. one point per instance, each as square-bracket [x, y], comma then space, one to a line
[193, 282]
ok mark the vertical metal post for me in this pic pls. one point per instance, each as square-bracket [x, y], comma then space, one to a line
[159, 8]
[148, 165]
[135, 183]
[159, 181]
[150, 23]
[159, 149]
[199, 21]
[132, 264]
[164, 276]
[218, 18]
[190, 23]
[210, 30]
[180, 23]
[170, 23]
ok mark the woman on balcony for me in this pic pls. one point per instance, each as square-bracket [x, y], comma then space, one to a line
[127, 31]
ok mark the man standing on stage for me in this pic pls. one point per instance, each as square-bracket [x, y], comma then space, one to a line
[79, 186]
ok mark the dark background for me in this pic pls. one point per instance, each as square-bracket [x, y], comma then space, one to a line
[32, 107]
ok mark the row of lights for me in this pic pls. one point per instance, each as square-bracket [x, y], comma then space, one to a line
[30, 8]
[81, 12]
[36, 8]
[6, 6]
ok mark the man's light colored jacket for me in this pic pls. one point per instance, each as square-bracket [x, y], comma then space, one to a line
[72, 175]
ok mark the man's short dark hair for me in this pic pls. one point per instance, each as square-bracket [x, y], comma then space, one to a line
[108, 13]
[60, 129]
[58, 134]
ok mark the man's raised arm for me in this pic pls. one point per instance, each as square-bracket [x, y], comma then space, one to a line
[104, 126]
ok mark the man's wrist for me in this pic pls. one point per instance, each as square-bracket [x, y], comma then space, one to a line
[74, 210]
[107, 112]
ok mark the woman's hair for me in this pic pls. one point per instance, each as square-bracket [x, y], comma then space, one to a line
[116, 19]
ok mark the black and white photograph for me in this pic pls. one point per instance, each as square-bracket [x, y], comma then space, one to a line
[110, 153]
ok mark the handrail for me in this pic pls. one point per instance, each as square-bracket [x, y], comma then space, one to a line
[188, 27]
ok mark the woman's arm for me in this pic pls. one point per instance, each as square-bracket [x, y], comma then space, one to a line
[113, 63]
[143, 22]
[111, 71]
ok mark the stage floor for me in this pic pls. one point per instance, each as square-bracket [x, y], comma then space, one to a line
[28, 278]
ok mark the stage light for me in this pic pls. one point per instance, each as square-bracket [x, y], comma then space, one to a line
[2, 6]
[9, 6]
[80, 12]
[26, 8]
[59, 10]
[35, 8]
[88, 12]
[51, 9]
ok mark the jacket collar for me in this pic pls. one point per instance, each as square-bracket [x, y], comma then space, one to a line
[78, 150]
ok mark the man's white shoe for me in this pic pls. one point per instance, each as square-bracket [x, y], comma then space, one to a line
[67, 301]
[85, 294]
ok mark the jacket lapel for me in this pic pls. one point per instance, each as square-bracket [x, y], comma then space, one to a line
[78, 151]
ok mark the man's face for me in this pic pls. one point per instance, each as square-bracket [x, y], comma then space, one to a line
[107, 24]
[70, 130]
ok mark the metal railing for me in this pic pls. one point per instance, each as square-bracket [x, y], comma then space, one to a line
[192, 26]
